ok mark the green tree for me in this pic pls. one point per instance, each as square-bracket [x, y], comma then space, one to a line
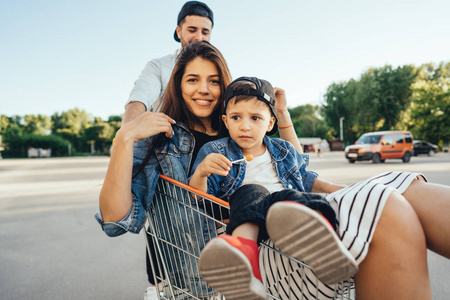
[37, 124]
[12, 131]
[74, 126]
[4, 124]
[115, 122]
[394, 93]
[366, 116]
[377, 101]
[100, 133]
[308, 121]
[430, 106]
[11, 127]
[71, 126]
[340, 103]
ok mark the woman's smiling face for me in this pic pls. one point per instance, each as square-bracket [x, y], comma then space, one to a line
[200, 87]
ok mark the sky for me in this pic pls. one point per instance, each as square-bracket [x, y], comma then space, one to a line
[57, 55]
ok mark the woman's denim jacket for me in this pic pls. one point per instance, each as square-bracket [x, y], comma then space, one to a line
[288, 163]
[172, 160]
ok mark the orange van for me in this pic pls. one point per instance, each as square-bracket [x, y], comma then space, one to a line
[381, 145]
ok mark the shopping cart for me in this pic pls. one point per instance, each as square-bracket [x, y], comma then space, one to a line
[179, 228]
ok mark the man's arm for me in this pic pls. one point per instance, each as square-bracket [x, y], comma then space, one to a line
[285, 127]
[132, 110]
[146, 91]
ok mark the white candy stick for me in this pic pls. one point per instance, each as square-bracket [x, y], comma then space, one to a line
[248, 157]
[238, 160]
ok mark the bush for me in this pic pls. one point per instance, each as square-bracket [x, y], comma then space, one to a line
[17, 146]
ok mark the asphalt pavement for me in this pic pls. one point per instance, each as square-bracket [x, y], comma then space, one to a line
[52, 248]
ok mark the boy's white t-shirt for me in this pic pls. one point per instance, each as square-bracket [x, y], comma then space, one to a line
[261, 171]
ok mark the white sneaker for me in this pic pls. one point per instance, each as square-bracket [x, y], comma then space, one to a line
[307, 236]
[150, 293]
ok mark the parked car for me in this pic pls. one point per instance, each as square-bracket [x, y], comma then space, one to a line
[424, 147]
[381, 145]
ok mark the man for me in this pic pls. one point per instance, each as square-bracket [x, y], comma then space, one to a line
[195, 22]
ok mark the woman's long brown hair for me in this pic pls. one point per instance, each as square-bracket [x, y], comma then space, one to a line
[173, 103]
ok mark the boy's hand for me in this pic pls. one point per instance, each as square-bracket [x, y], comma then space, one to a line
[214, 163]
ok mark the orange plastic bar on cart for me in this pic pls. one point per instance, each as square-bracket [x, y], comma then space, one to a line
[203, 194]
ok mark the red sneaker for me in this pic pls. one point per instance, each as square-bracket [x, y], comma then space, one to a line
[308, 236]
[230, 265]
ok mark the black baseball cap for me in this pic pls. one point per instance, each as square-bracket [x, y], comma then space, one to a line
[195, 8]
[264, 92]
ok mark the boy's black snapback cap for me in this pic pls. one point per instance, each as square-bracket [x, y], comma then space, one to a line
[264, 92]
[195, 8]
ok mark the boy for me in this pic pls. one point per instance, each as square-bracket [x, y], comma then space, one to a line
[229, 263]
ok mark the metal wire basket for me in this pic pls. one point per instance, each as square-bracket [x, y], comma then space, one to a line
[179, 227]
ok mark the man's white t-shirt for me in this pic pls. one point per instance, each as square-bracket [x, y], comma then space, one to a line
[152, 82]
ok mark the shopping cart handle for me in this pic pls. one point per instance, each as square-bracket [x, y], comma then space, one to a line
[194, 190]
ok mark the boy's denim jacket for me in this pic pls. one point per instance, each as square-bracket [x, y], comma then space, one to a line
[172, 160]
[288, 163]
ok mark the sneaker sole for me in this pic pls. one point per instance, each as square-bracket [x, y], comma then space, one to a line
[228, 270]
[305, 235]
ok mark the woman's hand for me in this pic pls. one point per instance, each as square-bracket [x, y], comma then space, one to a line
[214, 163]
[283, 115]
[281, 102]
[146, 125]
[285, 126]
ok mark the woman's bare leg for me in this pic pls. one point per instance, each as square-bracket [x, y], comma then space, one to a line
[396, 264]
[432, 204]
[247, 230]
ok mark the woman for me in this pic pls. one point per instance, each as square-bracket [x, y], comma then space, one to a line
[167, 142]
